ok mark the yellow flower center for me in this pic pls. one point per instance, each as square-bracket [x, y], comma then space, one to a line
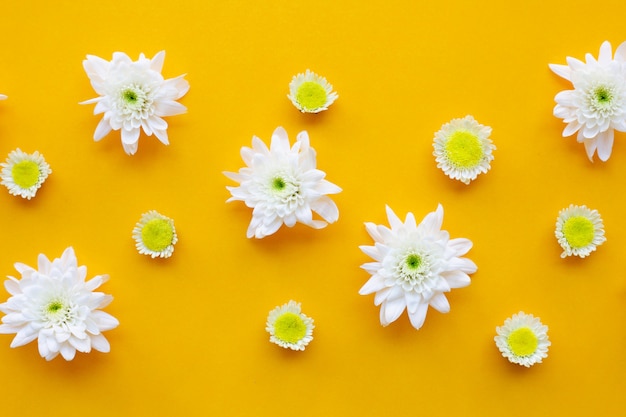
[290, 328]
[157, 234]
[578, 231]
[25, 173]
[464, 149]
[523, 342]
[311, 95]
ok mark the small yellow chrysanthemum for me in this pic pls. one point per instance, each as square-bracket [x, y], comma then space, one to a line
[523, 339]
[24, 173]
[311, 93]
[579, 231]
[288, 327]
[155, 235]
[463, 149]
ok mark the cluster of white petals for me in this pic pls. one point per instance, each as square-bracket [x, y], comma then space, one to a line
[55, 305]
[282, 185]
[415, 265]
[134, 96]
[596, 107]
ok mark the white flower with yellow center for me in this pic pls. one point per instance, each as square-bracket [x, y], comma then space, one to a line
[23, 173]
[523, 339]
[579, 231]
[463, 149]
[134, 96]
[596, 107]
[288, 327]
[282, 185]
[415, 265]
[155, 235]
[311, 93]
[57, 307]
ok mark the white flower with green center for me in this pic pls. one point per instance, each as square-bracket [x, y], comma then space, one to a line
[23, 173]
[415, 265]
[134, 96]
[311, 93]
[579, 231]
[282, 185]
[596, 107]
[523, 339]
[288, 327]
[463, 149]
[155, 235]
[55, 305]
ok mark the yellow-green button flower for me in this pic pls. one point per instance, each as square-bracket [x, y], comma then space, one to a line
[463, 149]
[579, 231]
[155, 235]
[523, 339]
[23, 173]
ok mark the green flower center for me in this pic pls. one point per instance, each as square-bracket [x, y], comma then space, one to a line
[464, 149]
[290, 328]
[157, 234]
[523, 342]
[57, 312]
[129, 96]
[413, 261]
[603, 95]
[311, 95]
[578, 231]
[133, 98]
[278, 184]
[25, 173]
[54, 306]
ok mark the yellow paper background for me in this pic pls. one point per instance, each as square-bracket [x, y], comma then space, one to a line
[191, 340]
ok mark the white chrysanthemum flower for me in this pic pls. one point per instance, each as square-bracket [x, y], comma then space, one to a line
[463, 149]
[288, 327]
[415, 265]
[134, 96]
[523, 339]
[282, 185]
[597, 104]
[57, 307]
[311, 93]
[155, 235]
[579, 231]
[23, 173]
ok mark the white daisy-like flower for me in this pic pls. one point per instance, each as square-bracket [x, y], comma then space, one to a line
[596, 107]
[23, 173]
[311, 93]
[155, 235]
[579, 230]
[133, 96]
[288, 327]
[55, 305]
[282, 185]
[463, 149]
[415, 265]
[523, 339]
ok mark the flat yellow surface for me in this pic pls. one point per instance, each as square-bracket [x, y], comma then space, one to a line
[191, 340]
